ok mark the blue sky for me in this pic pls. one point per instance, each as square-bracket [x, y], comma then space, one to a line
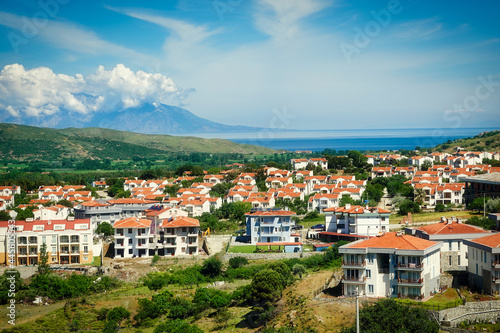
[298, 64]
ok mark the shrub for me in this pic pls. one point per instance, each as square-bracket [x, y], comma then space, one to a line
[177, 326]
[211, 267]
[439, 208]
[238, 262]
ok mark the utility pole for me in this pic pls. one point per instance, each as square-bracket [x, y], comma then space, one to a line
[484, 204]
[357, 310]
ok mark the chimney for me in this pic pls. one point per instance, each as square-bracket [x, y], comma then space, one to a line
[29, 219]
[399, 233]
[347, 206]
[49, 222]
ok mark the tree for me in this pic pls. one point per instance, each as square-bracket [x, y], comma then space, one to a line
[388, 316]
[266, 287]
[177, 326]
[298, 269]
[493, 206]
[212, 267]
[408, 206]
[4, 216]
[477, 204]
[105, 228]
[374, 192]
[65, 203]
[426, 166]
[43, 260]
[283, 270]
[118, 314]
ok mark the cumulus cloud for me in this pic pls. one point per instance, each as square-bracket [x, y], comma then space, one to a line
[41, 92]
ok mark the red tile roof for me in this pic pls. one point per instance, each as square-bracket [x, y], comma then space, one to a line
[180, 221]
[391, 241]
[271, 213]
[450, 229]
[491, 241]
[132, 222]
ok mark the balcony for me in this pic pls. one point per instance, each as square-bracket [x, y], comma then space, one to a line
[496, 279]
[495, 264]
[22, 241]
[75, 240]
[119, 235]
[120, 245]
[142, 235]
[410, 266]
[22, 254]
[33, 253]
[411, 282]
[354, 279]
[167, 244]
[351, 263]
[32, 241]
[64, 240]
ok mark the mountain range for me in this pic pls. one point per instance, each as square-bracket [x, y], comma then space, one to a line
[154, 118]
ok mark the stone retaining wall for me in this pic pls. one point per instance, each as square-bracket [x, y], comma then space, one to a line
[271, 256]
[480, 311]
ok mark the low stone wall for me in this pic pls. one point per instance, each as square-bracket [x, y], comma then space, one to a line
[480, 311]
[271, 256]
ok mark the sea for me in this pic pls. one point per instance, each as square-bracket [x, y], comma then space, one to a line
[350, 139]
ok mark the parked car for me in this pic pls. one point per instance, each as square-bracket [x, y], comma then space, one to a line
[297, 227]
[318, 226]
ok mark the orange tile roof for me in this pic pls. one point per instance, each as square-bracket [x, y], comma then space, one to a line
[93, 204]
[491, 241]
[180, 221]
[391, 241]
[132, 222]
[271, 213]
[450, 229]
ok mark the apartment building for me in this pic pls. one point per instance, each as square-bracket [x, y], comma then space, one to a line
[391, 265]
[68, 241]
[272, 226]
[452, 233]
[137, 237]
[484, 263]
[357, 220]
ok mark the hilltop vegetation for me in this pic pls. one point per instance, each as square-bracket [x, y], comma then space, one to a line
[27, 143]
[487, 141]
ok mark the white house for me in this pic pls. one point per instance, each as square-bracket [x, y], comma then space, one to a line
[272, 227]
[484, 263]
[131, 237]
[357, 220]
[321, 201]
[57, 212]
[452, 234]
[391, 265]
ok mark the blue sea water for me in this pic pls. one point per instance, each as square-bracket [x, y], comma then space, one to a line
[372, 139]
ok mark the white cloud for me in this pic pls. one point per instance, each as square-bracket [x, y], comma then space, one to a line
[41, 92]
[281, 18]
[420, 29]
[67, 36]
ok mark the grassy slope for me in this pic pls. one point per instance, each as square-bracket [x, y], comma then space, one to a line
[489, 141]
[24, 142]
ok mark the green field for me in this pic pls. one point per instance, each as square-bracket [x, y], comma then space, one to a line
[434, 216]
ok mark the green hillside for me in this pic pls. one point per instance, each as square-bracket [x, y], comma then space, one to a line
[487, 141]
[28, 143]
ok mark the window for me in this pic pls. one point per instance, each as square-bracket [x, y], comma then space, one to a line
[484, 256]
[54, 239]
[54, 250]
[368, 273]
[129, 231]
[459, 260]
[458, 244]
[85, 258]
[383, 219]
[450, 245]
[85, 238]
[449, 260]
[370, 288]
[184, 229]
[130, 241]
[370, 258]
[130, 251]
[85, 249]
[44, 239]
[119, 231]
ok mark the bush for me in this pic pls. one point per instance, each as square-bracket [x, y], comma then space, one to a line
[155, 282]
[267, 287]
[439, 208]
[408, 206]
[177, 326]
[211, 267]
[237, 262]
[206, 298]
[482, 222]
